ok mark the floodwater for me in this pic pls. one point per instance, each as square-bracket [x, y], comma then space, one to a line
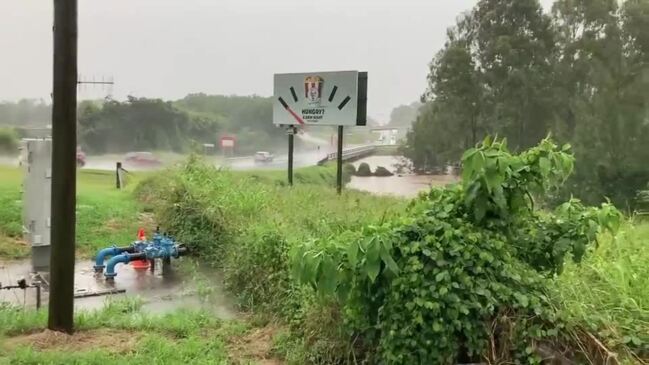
[189, 286]
[405, 185]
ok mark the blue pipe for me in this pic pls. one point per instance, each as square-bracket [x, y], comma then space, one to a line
[110, 251]
[101, 256]
[110, 267]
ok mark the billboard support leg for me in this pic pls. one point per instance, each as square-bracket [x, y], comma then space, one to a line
[339, 163]
[291, 132]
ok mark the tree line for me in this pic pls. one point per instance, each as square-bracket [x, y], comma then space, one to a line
[139, 124]
[579, 72]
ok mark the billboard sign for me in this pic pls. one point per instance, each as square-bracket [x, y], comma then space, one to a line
[320, 98]
[227, 142]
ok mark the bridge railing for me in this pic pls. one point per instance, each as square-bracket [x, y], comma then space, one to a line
[349, 154]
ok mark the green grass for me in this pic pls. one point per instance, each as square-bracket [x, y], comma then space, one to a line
[191, 337]
[105, 215]
[208, 207]
[247, 222]
[608, 293]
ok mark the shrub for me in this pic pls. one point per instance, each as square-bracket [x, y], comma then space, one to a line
[382, 171]
[463, 276]
[349, 169]
[363, 170]
[9, 141]
[248, 222]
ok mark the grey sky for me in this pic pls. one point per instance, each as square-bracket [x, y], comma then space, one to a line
[168, 48]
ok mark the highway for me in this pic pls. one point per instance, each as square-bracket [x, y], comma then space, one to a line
[301, 159]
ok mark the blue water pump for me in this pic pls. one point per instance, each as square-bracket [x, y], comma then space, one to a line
[162, 246]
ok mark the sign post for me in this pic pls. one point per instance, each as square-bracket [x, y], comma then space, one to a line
[291, 134]
[320, 98]
[339, 161]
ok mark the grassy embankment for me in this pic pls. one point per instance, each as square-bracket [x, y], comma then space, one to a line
[247, 223]
[255, 207]
[250, 226]
[607, 296]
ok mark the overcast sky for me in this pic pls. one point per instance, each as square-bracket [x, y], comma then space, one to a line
[169, 48]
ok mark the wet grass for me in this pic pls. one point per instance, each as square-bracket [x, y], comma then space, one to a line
[256, 219]
[608, 293]
[105, 215]
[190, 337]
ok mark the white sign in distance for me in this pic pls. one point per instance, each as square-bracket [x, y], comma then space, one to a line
[320, 98]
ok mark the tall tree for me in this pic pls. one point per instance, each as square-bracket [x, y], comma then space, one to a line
[404, 115]
[492, 76]
[582, 74]
[514, 48]
[604, 109]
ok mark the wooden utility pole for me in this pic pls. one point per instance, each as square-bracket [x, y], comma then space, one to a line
[64, 167]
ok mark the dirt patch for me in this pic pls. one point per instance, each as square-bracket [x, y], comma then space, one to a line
[255, 345]
[110, 340]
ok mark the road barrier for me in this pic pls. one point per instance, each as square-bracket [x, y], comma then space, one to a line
[349, 154]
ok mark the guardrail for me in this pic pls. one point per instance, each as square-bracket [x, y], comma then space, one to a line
[349, 154]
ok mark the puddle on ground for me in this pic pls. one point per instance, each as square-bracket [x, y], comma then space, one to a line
[405, 185]
[189, 286]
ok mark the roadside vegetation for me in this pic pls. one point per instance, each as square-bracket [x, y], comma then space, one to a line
[287, 259]
[344, 277]
[8, 142]
[607, 296]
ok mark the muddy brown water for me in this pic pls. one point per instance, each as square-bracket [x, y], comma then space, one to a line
[189, 286]
[404, 185]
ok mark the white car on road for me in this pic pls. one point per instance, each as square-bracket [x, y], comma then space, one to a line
[263, 157]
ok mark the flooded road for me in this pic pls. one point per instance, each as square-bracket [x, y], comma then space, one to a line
[405, 185]
[190, 286]
[300, 159]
